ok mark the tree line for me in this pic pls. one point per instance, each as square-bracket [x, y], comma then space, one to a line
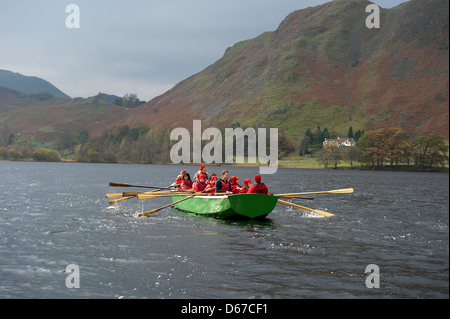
[390, 148]
[393, 146]
[141, 144]
[129, 100]
[385, 148]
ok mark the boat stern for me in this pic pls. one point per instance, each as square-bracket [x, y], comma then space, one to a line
[253, 205]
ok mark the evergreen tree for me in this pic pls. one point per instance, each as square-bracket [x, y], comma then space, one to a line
[350, 132]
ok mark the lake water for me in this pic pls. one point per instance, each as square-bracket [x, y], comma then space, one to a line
[55, 214]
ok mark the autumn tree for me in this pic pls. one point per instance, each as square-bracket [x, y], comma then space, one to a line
[333, 154]
[285, 145]
[384, 144]
[395, 146]
[130, 100]
[429, 150]
[46, 155]
[66, 140]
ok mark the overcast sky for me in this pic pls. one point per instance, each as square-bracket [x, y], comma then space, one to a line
[138, 46]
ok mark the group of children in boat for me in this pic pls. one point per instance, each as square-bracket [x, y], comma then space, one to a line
[204, 183]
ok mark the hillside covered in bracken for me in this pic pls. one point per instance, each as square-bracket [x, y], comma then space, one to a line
[323, 67]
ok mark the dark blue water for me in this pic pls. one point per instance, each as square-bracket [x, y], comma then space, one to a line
[55, 214]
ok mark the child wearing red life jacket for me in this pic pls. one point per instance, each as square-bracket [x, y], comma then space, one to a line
[235, 187]
[259, 187]
[211, 188]
[179, 179]
[248, 184]
[187, 182]
[200, 184]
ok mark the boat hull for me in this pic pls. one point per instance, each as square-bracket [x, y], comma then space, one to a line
[250, 206]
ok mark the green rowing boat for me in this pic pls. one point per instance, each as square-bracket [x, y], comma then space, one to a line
[228, 206]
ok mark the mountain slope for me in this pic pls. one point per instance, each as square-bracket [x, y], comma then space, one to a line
[45, 121]
[11, 100]
[322, 66]
[28, 84]
[31, 116]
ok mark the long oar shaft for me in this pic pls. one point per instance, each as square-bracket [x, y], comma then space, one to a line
[147, 196]
[171, 204]
[112, 195]
[336, 191]
[158, 209]
[128, 196]
[299, 197]
[118, 200]
[130, 185]
[320, 212]
[151, 193]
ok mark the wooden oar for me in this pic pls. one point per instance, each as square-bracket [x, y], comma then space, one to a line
[113, 195]
[133, 194]
[299, 197]
[151, 193]
[158, 209]
[172, 192]
[115, 201]
[320, 212]
[130, 185]
[118, 200]
[336, 191]
[147, 195]
[171, 204]
[126, 194]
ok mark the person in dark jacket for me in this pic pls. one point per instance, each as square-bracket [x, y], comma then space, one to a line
[223, 185]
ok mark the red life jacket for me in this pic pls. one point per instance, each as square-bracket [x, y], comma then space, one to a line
[235, 187]
[243, 190]
[212, 188]
[258, 188]
[226, 187]
[186, 184]
[178, 181]
[199, 187]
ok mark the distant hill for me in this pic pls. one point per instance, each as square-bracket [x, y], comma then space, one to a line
[43, 117]
[11, 99]
[28, 84]
[46, 120]
[111, 98]
[129, 100]
[323, 66]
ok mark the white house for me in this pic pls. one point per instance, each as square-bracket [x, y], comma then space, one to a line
[347, 142]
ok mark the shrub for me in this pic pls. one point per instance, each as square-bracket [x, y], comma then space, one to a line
[46, 155]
